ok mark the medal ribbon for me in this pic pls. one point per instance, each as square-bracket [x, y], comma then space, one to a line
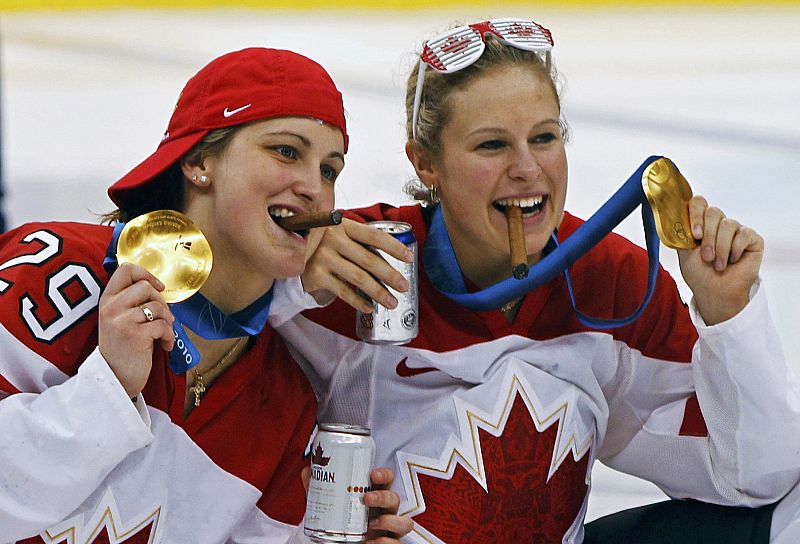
[442, 267]
[202, 317]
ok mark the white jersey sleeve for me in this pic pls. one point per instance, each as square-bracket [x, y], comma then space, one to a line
[288, 300]
[59, 445]
[746, 393]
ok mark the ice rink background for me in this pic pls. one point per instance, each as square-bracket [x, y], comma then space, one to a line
[87, 95]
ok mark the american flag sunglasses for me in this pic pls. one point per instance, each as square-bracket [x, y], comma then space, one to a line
[459, 47]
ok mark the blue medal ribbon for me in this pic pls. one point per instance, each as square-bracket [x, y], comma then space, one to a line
[202, 317]
[445, 274]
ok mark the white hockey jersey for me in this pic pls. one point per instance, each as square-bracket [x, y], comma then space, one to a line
[492, 428]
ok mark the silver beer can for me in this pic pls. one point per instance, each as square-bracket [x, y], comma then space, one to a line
[400, 325]
[342, 457]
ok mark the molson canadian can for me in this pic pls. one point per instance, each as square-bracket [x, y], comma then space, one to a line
[341, 460]
[398, 326]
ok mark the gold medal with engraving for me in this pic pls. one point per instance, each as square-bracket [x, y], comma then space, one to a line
[169, 245]
[669, 193]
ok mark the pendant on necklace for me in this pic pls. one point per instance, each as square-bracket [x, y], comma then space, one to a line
[508, 306]
[198, 388]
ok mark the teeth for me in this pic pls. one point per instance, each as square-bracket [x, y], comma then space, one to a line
[276, 211]
[520, 202]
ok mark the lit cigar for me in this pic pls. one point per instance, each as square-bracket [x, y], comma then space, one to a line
[310, 220]
[516, 240]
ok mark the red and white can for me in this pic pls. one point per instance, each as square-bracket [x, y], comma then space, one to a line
[342, 457]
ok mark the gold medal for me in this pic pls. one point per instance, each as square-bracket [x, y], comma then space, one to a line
[669, 193]
[169, 245]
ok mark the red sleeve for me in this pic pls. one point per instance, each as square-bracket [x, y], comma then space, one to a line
[51, 277]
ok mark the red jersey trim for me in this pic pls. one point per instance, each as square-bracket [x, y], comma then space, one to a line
[693, 422]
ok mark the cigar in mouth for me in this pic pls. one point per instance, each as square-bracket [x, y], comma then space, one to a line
[307, 221]
[516, 240]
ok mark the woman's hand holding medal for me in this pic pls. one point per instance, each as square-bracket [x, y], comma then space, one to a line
[721, 270]
[126, 331]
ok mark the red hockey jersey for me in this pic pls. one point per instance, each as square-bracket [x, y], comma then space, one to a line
[82, 463]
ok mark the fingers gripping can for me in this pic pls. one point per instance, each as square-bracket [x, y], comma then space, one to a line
[341, 460]
[400, 325]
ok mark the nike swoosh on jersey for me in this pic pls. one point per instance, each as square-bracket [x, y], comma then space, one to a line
[405, 371]
[227, 113]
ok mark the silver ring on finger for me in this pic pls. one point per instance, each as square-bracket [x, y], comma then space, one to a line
[148, 313]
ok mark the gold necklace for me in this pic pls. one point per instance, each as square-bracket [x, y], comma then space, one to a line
[199, 387]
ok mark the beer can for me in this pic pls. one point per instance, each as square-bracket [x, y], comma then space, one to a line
[400, 325]
[341, 461]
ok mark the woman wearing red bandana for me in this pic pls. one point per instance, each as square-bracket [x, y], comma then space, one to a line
[128, 419]
[492, 418]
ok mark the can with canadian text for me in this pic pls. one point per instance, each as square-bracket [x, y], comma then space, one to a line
[341, 460]
[399, 325]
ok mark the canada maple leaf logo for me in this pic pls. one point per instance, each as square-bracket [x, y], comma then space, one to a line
[518, 29]
[318, 457]
[519, 473]
[521, 505]
[142, 536]
[456, 44]
[104, 526]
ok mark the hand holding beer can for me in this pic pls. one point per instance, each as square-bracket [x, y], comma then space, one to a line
[399, 325]
[342, 457]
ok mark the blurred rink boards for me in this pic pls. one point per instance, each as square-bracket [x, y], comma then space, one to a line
[87, 92]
